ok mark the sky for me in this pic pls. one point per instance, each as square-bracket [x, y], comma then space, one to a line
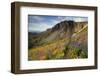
[39, 23]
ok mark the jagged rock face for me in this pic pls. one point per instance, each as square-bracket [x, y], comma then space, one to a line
[64, 29]
[64, 26]
[68, 27]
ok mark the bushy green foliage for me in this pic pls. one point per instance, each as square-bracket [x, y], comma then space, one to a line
[74, 52]
[83, 54]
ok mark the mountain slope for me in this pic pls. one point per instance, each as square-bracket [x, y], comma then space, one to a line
[66, 40]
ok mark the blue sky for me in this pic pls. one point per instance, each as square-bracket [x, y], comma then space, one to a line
[41, 22]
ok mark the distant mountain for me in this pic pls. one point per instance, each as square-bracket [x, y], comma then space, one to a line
[32, 33]
[73, 33]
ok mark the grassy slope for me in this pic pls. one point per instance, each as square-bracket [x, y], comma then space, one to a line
[60, 49]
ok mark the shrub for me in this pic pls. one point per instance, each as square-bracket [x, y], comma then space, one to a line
[84, 54]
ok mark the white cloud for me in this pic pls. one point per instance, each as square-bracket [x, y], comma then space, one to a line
[78, 19]
[37, 18]
[39, 27]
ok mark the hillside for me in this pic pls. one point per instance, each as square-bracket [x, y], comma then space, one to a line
[66, 40]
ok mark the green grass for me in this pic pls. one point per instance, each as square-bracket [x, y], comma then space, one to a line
[58, 49]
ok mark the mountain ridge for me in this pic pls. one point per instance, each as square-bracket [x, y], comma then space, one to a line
[66, 40]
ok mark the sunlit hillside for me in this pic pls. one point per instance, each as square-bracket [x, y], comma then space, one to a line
[57, 44]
